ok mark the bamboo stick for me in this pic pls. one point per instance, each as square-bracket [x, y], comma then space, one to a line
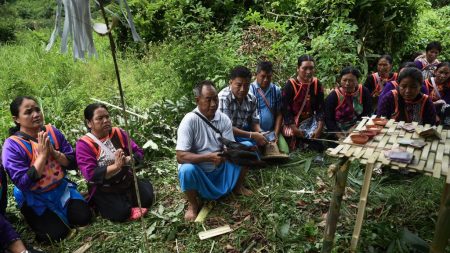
[362, 202]
[442, 231]
[335, 205]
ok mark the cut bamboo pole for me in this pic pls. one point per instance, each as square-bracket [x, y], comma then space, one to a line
[362, 202]
[335, 205]
[442, 231]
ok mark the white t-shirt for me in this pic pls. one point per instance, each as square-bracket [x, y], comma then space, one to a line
[195, 136]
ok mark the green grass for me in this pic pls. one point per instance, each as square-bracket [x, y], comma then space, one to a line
[273, 219]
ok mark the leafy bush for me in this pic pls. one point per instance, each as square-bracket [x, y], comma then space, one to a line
[335, 49]
[432, 25]
[7, 23]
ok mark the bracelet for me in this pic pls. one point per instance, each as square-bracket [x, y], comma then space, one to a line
[250, 135]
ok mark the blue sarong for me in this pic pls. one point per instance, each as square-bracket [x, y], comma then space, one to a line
[56, 199]
[210, 185]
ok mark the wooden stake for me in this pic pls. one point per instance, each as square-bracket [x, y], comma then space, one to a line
[335, 205]
[363, 201]
[442, 231]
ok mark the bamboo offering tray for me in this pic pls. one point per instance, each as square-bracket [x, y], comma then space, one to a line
[432, 160]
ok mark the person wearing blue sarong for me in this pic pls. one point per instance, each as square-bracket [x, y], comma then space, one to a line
[241, 107]
[202, 171]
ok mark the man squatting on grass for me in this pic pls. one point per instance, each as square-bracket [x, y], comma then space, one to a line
[201, 170]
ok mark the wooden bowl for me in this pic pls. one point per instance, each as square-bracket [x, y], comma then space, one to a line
[369, 133]
[375, 128]
[359, 138]
[380, 121]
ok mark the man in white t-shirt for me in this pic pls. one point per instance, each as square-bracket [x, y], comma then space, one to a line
[201, 170]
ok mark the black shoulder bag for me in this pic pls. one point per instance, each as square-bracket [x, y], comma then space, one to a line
[235, 152]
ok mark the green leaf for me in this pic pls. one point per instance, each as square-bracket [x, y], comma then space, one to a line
[307, 166]
[150, 144]
[284, 229]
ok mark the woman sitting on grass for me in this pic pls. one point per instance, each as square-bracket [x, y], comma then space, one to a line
[393, 84]
[439, 86]
[36, 159]
[347, 103]
[104, 161]
[407, 103]
[375, 82]
[302, 101]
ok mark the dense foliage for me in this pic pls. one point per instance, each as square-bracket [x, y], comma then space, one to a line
[186, 41]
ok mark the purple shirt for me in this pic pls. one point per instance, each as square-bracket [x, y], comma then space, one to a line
[7, 233]
[87, 159]
[386, 108]
[17, 163]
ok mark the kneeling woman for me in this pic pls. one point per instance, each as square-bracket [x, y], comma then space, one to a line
[347, 104]
[407, 103]
[104, 161]
[302, 100]
[36, 159]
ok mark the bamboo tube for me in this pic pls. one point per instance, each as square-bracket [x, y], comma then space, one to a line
[335, 205]
[442, 231]
[362, 202]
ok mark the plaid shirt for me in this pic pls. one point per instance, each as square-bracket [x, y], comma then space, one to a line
[242, 115]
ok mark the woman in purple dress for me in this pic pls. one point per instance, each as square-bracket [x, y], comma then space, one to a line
[407, 103]
[36, 158]
[104, 161]
[375, 82]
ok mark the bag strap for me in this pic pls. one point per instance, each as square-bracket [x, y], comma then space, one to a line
[435, 88]
[208, 123]
[101, 145]
[297, 118]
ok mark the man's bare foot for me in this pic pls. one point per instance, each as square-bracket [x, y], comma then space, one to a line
[191, 213]
[241, 190]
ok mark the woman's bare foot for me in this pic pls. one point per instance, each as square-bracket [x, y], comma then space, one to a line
[241, 190]
[191, 213]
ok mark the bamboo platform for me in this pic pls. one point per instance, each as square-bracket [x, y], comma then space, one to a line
[432, 160]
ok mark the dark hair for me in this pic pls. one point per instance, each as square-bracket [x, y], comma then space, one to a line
[14, 109]
[350, 70]
[265, 66]
[434, 45]
[408, 64]
[89, 112]
[240, 71]
[413, 73]
[199, 87]
[386, 57]
[443, 64]
[303, 58]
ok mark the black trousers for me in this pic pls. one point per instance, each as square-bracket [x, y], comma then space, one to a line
[116, 206]
[49, 227]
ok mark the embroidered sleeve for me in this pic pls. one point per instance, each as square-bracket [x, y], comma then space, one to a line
[17, 164]
[386, 106]
[87, 162]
